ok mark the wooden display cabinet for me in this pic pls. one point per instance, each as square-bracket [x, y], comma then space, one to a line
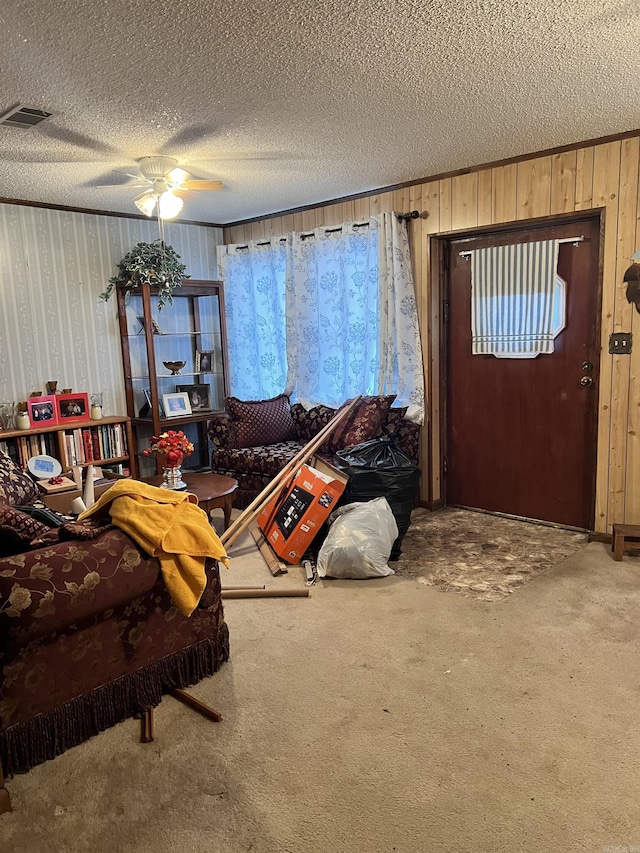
[190, 330]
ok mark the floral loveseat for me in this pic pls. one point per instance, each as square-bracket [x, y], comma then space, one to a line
[255, 440]
[88, 633]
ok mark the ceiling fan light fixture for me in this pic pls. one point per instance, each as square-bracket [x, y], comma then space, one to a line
[169, 205]
[146, 203]
[156, 167]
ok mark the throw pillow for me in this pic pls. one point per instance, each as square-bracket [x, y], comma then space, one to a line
[363, 424]
[18, 530]
[309, 422]
[260, 422]
[393, 421]
[16, 487]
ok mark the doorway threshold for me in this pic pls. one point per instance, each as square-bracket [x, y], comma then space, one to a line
[522, 518]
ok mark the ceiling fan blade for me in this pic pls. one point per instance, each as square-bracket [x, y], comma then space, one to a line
[80, 140]
[189, 136]
[129, 175]
[116, 179]
[119, 186]
[177, 176]
[202, 185]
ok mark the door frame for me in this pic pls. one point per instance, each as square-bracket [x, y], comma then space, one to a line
[438, 328]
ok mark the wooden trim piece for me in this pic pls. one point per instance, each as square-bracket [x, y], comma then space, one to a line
[437, 340]
[92, 212]
[494, 164]
[432, 506]
[274, 564]
[518, 224]
[594, 536]
[606, 187]
[291, 592]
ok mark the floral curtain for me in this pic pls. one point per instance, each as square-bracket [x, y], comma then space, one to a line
[352, 322]
[254, 276]
[401, 368]
[333, 341]
[348, 324]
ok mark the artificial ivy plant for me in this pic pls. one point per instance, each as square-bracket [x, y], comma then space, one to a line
[156, 264]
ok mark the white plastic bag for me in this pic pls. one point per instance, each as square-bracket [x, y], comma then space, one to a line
[359, 541]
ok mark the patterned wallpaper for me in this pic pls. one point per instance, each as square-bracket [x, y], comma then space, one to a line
[53, 266]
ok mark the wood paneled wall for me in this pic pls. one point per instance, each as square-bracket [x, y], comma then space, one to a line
[601, 176]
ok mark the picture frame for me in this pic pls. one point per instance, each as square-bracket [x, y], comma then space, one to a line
[199, 397]
[155, 328]
[72, 408]
[205, 361]
[43, 410]
[176, 405]
[145, 408]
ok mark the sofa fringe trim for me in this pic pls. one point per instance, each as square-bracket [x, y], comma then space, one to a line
[47, 735]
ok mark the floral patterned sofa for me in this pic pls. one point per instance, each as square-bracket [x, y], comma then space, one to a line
[254, 440]
[88, 633]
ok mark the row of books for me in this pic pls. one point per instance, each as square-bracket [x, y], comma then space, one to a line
[91, 444]
[23, 447]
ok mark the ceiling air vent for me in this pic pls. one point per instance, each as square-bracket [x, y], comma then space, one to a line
[23, 117]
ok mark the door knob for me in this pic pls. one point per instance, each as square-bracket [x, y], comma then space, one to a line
[586, 381]
[587, 366]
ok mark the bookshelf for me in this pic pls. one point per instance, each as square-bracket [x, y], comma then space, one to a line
[106, 442]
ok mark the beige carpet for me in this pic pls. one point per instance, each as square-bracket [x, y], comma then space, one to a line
[481, 555]
[373, 717]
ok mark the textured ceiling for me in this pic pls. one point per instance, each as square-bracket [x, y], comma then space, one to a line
[293, 103]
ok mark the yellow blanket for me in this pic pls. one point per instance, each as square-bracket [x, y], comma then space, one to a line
[170, 526]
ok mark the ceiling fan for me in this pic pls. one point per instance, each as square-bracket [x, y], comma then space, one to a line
[165, 185]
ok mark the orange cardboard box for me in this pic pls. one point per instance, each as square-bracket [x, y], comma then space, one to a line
[291, 522]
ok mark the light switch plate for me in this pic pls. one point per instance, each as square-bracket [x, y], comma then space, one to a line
[620, 343]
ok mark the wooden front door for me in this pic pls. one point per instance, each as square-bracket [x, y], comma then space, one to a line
[521, 433]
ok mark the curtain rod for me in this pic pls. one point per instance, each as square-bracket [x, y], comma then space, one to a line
[355, 227]
[414, 214]
[574, 240]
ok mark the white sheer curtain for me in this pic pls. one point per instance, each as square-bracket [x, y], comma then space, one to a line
[254, 276]
[401, 367]
[352, 324]
[348, 324]
[333, 340]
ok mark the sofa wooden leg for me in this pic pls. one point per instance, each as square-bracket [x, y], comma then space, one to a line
[196, 704]
[5, 800]
[147, 721]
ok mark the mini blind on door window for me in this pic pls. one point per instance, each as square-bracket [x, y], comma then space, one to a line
[512, 299]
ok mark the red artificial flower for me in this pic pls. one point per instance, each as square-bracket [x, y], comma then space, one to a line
[174, 445]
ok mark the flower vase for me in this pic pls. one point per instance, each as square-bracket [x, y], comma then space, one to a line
[172, 478]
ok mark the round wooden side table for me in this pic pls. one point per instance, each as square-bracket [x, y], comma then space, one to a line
[214, 491]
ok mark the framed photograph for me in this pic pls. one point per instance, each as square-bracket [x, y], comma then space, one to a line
[199, 396]
[176, 405]
[145, 409]
[42, 410]
[155, 328]
[72, 407]
[204, 361]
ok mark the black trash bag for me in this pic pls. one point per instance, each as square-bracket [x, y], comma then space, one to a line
[379, 468]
